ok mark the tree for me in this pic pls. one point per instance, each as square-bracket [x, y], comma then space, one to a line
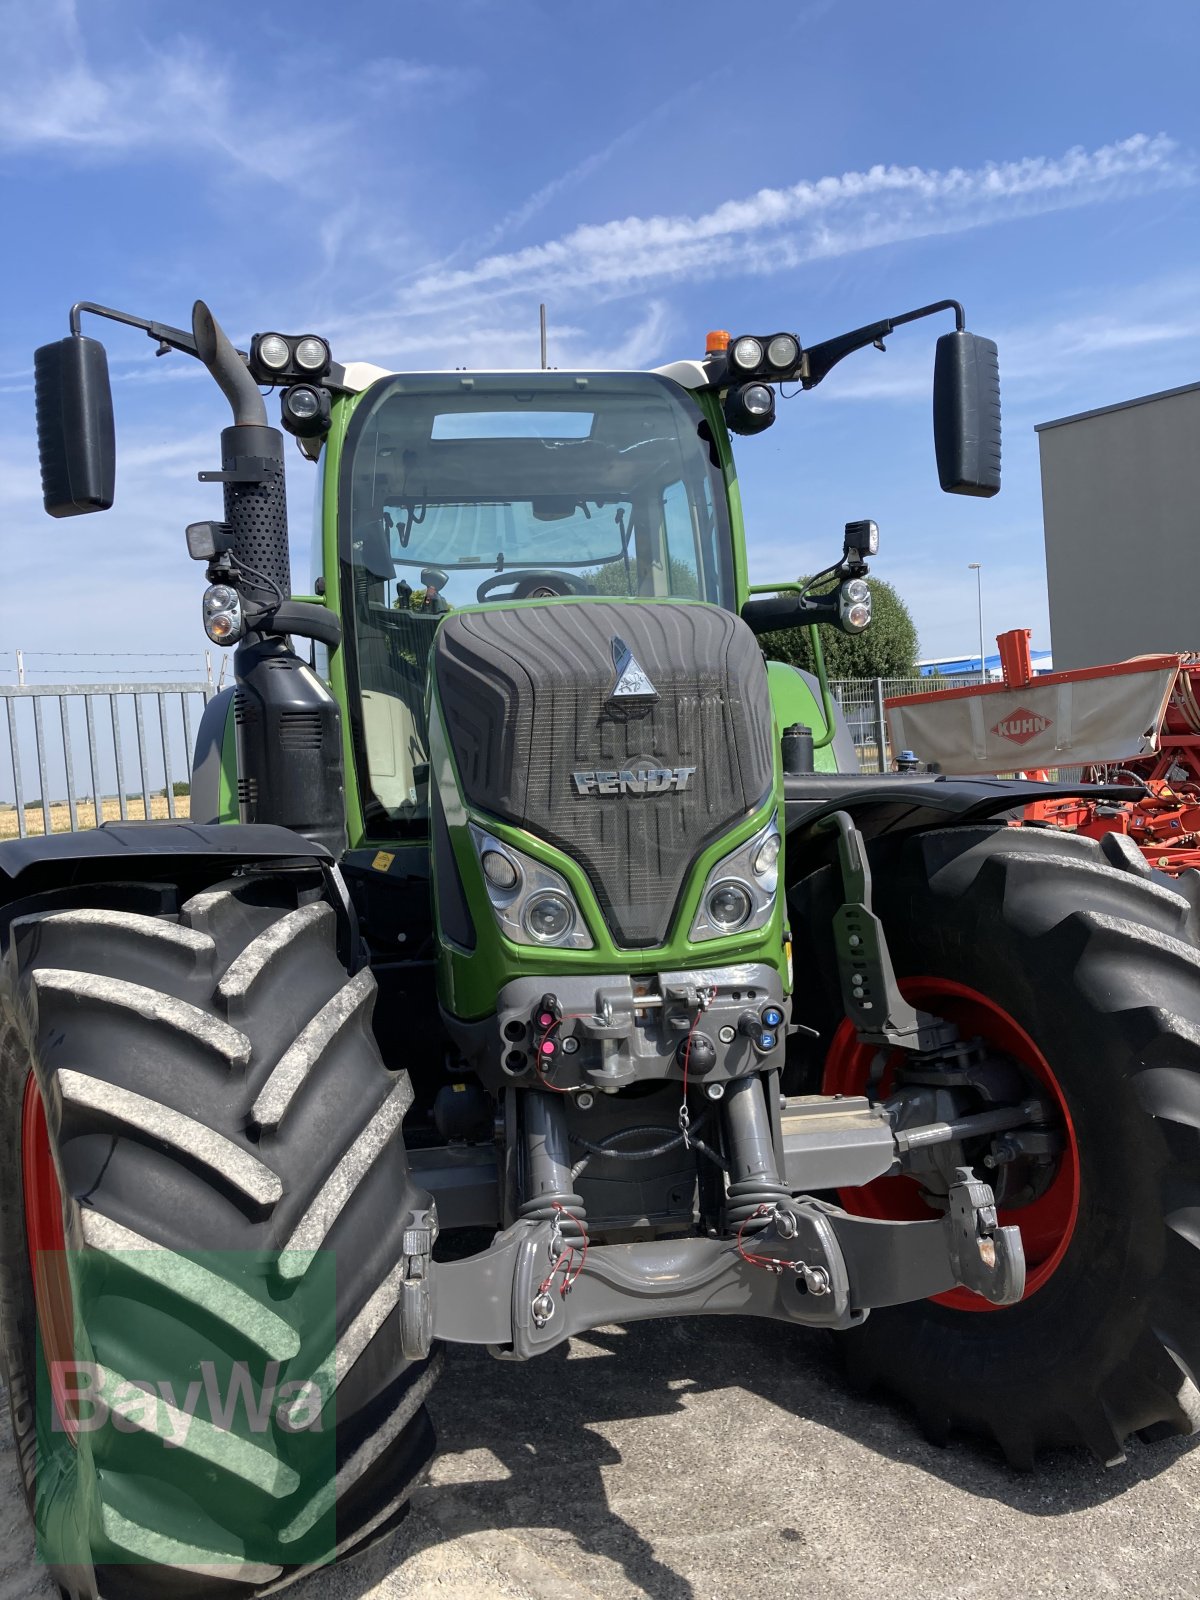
[614, 578]
[887, 649]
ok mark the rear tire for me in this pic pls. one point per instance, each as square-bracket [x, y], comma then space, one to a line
[1097, 965]
[209, 1083]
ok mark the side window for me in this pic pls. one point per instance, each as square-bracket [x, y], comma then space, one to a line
[679, 536]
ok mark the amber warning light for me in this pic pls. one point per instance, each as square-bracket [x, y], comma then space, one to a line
[717, 342]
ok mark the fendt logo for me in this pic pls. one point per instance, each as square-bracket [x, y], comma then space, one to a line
[1019, 726]
[646, 780]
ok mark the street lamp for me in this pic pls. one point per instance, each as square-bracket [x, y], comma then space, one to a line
[977, 568]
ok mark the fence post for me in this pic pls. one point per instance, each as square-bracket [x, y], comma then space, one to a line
[881, 726]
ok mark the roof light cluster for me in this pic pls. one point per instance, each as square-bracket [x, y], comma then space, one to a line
[284, 357]
[774, 356]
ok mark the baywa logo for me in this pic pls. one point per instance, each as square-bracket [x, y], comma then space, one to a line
[212, 1386]
[627, 780]
[1019, 726]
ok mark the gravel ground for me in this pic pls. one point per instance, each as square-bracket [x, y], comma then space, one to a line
[726, 1461]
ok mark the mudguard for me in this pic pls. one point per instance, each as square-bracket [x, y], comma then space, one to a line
[894, 803]
[131, 849]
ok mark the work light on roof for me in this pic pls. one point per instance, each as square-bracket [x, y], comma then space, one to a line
[273, 351]
[783, 352]
[312, 354]
[746, 354]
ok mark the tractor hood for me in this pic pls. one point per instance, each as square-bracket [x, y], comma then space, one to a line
[629, 735]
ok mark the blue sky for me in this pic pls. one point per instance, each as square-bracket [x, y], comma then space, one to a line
[410, 180]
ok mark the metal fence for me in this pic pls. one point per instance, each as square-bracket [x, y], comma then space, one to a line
[101, 752]
[861, 700]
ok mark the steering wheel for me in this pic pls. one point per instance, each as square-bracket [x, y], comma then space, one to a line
[536, 585]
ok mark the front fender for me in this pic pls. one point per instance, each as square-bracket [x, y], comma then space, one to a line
[891, 803]
[130, 850]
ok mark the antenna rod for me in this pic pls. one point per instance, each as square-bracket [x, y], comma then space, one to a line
[542, 321]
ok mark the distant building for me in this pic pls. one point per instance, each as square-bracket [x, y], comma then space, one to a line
[968, 666]
[1121, 508]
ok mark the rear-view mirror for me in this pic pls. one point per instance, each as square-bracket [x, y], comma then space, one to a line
[966, 414]
[76, 441]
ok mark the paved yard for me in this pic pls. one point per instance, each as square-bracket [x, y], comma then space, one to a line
[724, 1460]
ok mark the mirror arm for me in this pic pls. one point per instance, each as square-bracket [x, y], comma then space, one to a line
[818, 359]
[168, 338]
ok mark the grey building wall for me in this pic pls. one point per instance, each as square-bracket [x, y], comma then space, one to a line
[1121, 510]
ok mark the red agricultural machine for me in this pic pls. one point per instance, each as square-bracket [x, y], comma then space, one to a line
[1134, 722]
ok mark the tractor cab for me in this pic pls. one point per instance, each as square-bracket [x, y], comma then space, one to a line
[493, 489]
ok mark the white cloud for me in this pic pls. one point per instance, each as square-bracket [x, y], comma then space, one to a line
[390, 75]
[179, 96]
[779, 229]
[397, 340]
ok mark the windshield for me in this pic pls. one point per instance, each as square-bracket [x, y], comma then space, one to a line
[485, 488]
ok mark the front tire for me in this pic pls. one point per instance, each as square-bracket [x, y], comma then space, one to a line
[192, 1092]
[1094, 965]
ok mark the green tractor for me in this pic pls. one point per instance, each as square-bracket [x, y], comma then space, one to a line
[535, 959]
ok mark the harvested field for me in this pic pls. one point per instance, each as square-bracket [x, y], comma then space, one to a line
[60, 814]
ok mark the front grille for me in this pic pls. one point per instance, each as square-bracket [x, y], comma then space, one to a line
[526, 697]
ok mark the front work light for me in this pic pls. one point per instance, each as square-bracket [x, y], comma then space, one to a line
[750, 407]
[305, 410]
[862, 539]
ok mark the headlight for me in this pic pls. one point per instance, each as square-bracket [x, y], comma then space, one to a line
[532, 903]
[739, 894]
[274, 351]
[783, 352]
[549, 917]
[729, 905]
[747, 353]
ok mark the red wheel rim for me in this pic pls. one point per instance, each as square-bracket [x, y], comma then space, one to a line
[47, 1251]
[1047, 1223]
